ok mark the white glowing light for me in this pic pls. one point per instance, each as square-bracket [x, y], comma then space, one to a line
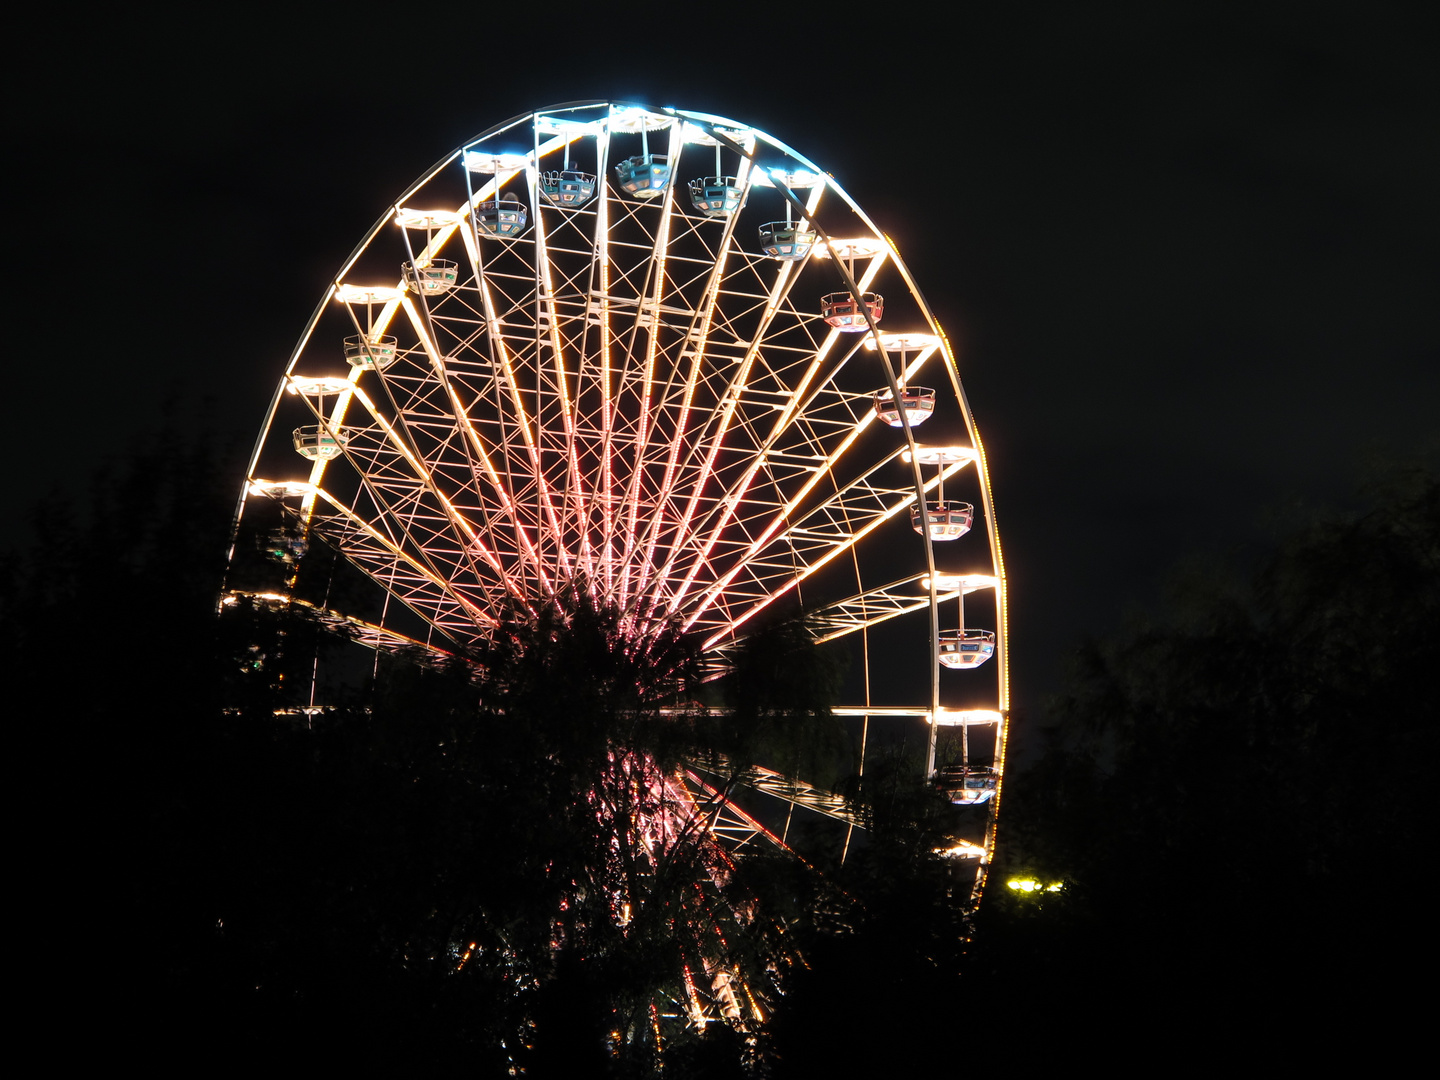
[966, 717]
[959, 582]
[939, 455]
[555, 125]
[368, 294]
[315, 385]
[281, 488]
[798, 180]
[696, 135]
[906, 342]
[408, 218]
[858, 247]
[491, 164]
[637, 120]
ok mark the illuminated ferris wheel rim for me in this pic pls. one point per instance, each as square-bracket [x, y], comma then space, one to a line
[564, 125]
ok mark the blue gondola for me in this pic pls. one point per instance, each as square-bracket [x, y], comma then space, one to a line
[645, 176]
[715, 196]
[504, 217]
[568, 188]
[284, 546]
[786, 240]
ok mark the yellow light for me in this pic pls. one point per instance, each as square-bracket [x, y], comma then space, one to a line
[1029, 885]
[368, 294]
[939, 455]
[967, 582]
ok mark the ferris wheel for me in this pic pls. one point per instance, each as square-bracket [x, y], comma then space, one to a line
[663, 353]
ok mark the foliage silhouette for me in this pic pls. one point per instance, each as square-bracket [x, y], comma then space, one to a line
[430, 870]
[503, 833]
[1220, 788]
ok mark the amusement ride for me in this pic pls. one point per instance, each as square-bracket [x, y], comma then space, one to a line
[662, 353]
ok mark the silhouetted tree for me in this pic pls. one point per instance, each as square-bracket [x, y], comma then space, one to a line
[478, 863]
[778, 696]
[505, 836]
[1226, 790]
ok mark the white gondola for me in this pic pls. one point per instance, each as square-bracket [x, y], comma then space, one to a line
[917, 403]
[370, 352]
[433, 278]
[966, 648]
[949, 520]
[318, 443]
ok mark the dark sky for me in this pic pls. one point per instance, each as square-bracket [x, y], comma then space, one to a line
[1187, 252]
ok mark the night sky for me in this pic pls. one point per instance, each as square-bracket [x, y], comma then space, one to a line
[1187, 255]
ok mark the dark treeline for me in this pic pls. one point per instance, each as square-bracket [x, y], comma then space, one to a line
[424, 871]
[1232, 801]
[1236, 800]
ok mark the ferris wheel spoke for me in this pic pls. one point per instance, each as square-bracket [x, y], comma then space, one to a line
[392, 460]
[795, 791]
[407, 574]
[725, 417]
[845, 432]
[419, 532]
[725, 819]
[369, 634]
[885, 602]
[500, 342]
[549, 327]
[698, 466]
[693, 347]
[472, 463]
[645, 339]
[523, 422]
[765, 447]
[769, 564]
[598, 327]
[455, 375]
